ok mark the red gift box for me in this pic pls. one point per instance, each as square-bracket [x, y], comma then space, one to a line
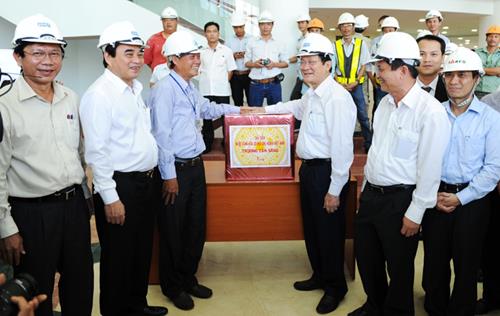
[259, 147]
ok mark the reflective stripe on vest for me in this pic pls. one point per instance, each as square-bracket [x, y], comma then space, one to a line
[356, 52]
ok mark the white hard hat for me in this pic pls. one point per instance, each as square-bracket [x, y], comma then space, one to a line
[169, 13]
[423, 33]
[397, 45]
[266, 17]
[180, 42]
[37, 29]
[238, 20]
[361, 21]
[315, 44]
[120, 32]
[390, 21]
[303, 17]
[433, 14]
[463, 59]
[345, 18]
[450, 48]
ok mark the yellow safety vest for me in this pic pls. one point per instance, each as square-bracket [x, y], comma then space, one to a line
[356, 52]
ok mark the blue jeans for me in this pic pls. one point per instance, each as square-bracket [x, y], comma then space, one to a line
[359, 99]
[259, 91]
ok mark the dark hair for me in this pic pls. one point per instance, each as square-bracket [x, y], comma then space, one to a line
[210, 24]
[359, 29]
[19, 49]
[382, 18]
[438, 39]
[111, 50]
[397, 63]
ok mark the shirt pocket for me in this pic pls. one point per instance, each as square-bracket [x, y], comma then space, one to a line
[405, 144]
[474, 149]
[73, 131]
[316, 124]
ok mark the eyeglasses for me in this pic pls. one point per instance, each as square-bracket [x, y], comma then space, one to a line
[310, 63]
[40, 55]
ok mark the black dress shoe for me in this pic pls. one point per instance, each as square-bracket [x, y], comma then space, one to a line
[360, 311]
[200, 291]
[484, 307]
[307, 285]
[183, 301]
[327, 304]
[155, 311]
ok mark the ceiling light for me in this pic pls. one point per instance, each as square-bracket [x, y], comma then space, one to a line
[467, 41]
[445, 27]
[475, 46]
[444, 32]
[460, 44]
[379, 30]
[473, 30]
[332, 29]
[421, 20]
[460, 38]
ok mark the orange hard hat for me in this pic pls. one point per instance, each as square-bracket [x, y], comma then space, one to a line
[316, 23]
[494, 29]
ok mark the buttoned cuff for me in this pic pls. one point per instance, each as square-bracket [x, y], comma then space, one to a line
[109, 196]
[465, 196]
[415, 213]
[7, 226]
[335, 189]
[167, 171]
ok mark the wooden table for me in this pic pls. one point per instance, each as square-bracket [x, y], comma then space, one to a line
[253, 211]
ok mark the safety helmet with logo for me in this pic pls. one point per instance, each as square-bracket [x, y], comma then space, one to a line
[463, 59]
[180, 43]
[423, 33]
[433, 14]
[120, 32]
[361, 21]
[315, 44]
[494, 29]
[238, 19]
[390, 21]
[304, 17]
[450, 48]
[317, 23]
[346, 18]
[169, 13]
[397, 45]
[266, 17]
[37, 29]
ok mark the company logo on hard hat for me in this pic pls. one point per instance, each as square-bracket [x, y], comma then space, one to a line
[43, 24]
[457, 61]
[134, 33]
[306, 44]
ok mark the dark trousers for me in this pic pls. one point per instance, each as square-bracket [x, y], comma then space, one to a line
[208, 127]
[453, 236]
[378, 242]
[182, 227]
[56, 237]
[324, 233]
[240, 84]
[491, 254]
[126, 250]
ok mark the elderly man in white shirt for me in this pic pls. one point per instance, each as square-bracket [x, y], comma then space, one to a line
[265, 56]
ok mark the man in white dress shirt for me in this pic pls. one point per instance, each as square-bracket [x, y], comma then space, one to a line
[403, 170]
[325, 144]
[216, 69]
[122, 153]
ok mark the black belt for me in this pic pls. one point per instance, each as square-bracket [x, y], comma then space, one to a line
[389, 188]
[452, 188]
[316, 161]
[266, 80]
[188, 162]
[61, 195]
[137, 174]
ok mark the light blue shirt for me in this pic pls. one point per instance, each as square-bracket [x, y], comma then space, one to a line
[473, 153]
[175, 108]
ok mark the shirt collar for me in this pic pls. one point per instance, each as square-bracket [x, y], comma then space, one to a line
[121, 85]
[412, 97]
[26, 92]
[476, 106]
[185, 85]
[323, 88]
[345, 43]
[260, 38]
[433, 83]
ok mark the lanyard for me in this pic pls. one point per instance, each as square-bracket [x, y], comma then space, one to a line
[193, 105]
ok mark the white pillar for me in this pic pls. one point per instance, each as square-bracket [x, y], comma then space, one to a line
[487, 21]
[285, 29]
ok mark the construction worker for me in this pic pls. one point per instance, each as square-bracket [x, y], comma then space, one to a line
[432, 49]
[123, 155]
[152, 53]
[352, 54]
[316, 26]
[240, 82]
[433, 21]
[490, 56]
[402, 173]
[265, 56]
[302, 24]
[388, 24]
[176, 106]
[325, 145]
[359, 27]
[455, 228]
[44, 218]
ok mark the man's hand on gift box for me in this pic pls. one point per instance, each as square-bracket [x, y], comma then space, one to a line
[248, 110]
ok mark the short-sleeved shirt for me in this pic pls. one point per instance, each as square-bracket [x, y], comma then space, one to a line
[489, 83]
[214, 68]
[152, 53]
[258, 48]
